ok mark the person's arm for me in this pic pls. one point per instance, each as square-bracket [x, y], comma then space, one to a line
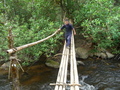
[74, 31]
[61, 27]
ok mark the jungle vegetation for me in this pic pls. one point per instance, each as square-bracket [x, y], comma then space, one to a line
[32, 20]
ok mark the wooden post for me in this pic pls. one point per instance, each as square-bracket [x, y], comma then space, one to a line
[13, 68]
[10, 38]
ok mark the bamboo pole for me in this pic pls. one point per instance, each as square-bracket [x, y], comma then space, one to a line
[64, 71]
[13, 67]
[71, 67]
[66, 67]
[65, 84]
[74, 72]
[9, 72]
[60, 68]
[75, 65]
[13, 50]
[62, 75]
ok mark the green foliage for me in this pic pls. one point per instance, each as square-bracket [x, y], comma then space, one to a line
[32, 20]
[37, 31]
[3, 43]
[100, 21]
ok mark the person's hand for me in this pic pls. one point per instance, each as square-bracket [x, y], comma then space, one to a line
[59, 29]
[74, 33]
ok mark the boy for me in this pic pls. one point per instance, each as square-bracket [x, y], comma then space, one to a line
[68, 32]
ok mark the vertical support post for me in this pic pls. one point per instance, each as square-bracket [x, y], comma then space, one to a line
[13, 68]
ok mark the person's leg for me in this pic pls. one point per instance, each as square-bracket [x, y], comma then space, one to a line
[66, 36]
[68, 40]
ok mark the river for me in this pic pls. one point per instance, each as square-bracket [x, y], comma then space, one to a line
[94, 75]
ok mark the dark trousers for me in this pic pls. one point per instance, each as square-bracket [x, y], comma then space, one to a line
[68, 39]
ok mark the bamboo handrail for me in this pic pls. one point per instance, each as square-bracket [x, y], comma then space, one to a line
[13, 50]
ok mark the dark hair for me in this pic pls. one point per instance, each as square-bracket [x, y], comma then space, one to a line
[66, 19]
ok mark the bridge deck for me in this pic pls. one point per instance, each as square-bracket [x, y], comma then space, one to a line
[68, 56]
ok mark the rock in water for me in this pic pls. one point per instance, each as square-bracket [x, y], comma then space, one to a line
[109, 55]
[104, 55]
[80, 62]
[5, 66]
[52, 63]
[82, 53]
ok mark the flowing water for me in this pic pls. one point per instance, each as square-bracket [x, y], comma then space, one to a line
[95, 75]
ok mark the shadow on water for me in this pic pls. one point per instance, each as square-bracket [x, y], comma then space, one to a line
[95, 75]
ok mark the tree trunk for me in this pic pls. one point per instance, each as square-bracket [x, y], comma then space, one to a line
[14, 69]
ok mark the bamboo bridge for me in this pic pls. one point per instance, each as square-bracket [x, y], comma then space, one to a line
[68, 61]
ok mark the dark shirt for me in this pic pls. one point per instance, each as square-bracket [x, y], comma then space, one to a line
[68, 28]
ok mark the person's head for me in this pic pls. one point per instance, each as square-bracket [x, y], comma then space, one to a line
[66, 21]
